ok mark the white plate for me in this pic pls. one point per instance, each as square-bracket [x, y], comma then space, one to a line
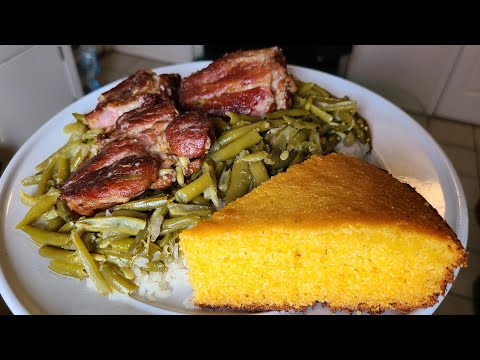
[28, 287]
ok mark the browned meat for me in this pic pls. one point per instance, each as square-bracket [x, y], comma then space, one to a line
[144, 88]
[144, 82]
[108, 155]
[137, 121]
[163, 182]
[143, 142]
[190, 135]
[194, 166]
[106, 113]
[154, 139]
[164, 134]
[122, 170]
[249, 82]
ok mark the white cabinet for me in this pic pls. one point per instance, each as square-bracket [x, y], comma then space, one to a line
[403, 72]
[461, 98]
[35, 83]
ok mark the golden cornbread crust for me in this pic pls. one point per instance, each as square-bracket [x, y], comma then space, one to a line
[321, 194]
[336, 185]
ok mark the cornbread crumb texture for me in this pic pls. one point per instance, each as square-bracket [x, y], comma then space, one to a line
[332, 230]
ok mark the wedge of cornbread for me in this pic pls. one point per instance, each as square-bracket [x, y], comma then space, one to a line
[332, 230]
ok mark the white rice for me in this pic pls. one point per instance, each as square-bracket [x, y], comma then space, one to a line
[158, 285]
[356, 150]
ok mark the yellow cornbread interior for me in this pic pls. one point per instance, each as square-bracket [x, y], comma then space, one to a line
[295, 269]
[333, 230]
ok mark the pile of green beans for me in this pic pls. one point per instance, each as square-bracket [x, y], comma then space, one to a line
[144, 232]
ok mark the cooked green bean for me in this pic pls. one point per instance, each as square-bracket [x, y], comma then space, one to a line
[320, 91]
[180, 176]
[149, 203]
[121, 260]
[64, 211]
[51, 252]
[284, 155]
[63, 170]
[80, 155]
[179, 223]
[236, 118]
[341, 105]
[65, 229]
[91, 134]
[43, 183]
[257, 156]
[98, 257]
[195, 188]
[49, 215]
[211, 194]
[230, 136]
[55, 224]
[31, 180]
[130, 213]
[166, 239]
[240, 181]
[300, 124]
[304, 88]
[127, 273]
[283, 161]
[296, 141]
[233, 149]
[199, 200]
[188, 209]
[219, 169]
[308, 103]
[117, 281]
[154, 225]
[127, 225]
[153, 267]
[44, 203]
[79, 117]
[359, 134]
[138, 245]
[224, 180]
[346, 117]
[276, 123]
[89, 265]
[45, 237]
[221, 124]
[122, 245]
[299, 157]
[26, 199]
[321, 114]
[291, 113]
[76, 128]
[259, 173]
[67, 269]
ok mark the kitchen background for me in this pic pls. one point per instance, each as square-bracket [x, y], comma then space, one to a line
[438, 85]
